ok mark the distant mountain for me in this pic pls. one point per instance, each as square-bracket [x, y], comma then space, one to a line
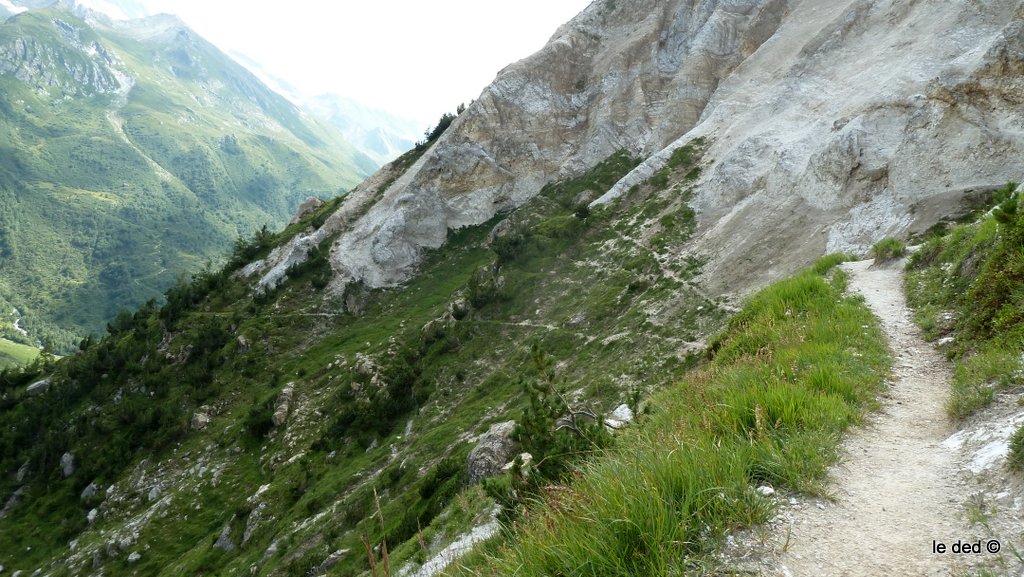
[130, 152]
[380, 135]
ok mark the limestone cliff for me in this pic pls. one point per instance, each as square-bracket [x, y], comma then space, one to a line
[831, 124]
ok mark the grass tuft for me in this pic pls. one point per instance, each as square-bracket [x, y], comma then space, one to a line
[1016, 458]
[887, 249]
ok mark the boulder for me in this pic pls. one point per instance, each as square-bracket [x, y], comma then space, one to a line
[67, 465]
[89, 492]
[460, 308]
[134, 557]
[13, 501]
[282, 405]
[620, 417]
[200, 421]
[331, 560]
[225, 542]
[500, 230]
[308, 207]
[495, 448]
[38, 387]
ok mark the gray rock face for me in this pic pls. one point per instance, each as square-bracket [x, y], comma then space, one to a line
[200, 421]
[331, 560]
[495, 448]
[829, 126]
[12, 502]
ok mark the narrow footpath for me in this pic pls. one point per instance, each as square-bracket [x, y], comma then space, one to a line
[896, 488]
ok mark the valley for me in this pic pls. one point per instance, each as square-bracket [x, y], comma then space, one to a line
[137, 152]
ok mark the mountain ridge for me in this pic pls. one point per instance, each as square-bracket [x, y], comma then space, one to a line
[125, 130]
[557, 117]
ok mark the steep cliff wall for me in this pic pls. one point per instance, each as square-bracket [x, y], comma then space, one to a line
[832, 124]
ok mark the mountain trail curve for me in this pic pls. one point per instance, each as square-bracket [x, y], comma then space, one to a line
[897, 488]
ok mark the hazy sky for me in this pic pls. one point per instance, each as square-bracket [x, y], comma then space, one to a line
[414, 58]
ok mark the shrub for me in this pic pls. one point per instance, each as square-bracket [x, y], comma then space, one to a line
[1016, 458]
[887, 249]
[260, 419]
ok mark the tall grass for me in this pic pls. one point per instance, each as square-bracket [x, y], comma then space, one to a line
[794, 369]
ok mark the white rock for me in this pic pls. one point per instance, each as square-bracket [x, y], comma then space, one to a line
[91, 517]
[765, 491]
[134, 557]
[67, 465]
[620, 418]
[623, 413]
[38, 387]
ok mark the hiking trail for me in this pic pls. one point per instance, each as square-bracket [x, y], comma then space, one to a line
[896, 487]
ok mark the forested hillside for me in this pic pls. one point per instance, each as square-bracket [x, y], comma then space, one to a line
[132, 153]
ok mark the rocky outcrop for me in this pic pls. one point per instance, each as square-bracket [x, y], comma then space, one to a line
[224, 541]
[828, 127]
[283, 403]
[494, 448]
[78, 67]
[308, 207]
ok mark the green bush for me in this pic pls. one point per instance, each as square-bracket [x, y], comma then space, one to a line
[887, 249]
[1016, 457]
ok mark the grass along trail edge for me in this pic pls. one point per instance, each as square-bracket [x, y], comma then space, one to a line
[898, 487]
[796, 366]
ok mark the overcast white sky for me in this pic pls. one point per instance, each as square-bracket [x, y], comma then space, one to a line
[414, 58]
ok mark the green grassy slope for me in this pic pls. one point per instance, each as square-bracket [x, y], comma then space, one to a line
[794, 368]
[385, 401]
[14, 354]
[967, 284]
[106, 198]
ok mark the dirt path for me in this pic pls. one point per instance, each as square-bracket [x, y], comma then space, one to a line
[896, 488]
